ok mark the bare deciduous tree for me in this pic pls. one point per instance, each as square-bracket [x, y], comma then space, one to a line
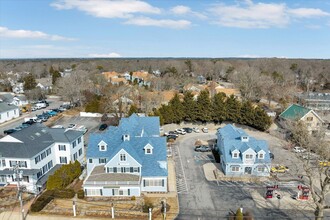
[317, 172]
[73, 86]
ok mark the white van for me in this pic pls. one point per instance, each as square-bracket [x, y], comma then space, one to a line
[40, 105]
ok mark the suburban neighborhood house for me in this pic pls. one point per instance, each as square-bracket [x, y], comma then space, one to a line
[127, 160]
[38, 151]
[315, 101]
[299, 113]
[241, 154]
[8, 112]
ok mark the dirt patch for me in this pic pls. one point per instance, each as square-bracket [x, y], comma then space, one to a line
[9, 200]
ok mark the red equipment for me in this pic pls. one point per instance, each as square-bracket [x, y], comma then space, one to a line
[270, 191]
[303, 193]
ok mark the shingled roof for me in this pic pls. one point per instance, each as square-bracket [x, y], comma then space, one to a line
[142, 131]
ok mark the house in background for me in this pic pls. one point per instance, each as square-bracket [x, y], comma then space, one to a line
[141, 77]
[127, 160]
[13, 99]
[44, 84]
[18, 88]
[201, 79]
[299, 113]
[8, 112]
[38, 151]
[241, 154]
[315, 101]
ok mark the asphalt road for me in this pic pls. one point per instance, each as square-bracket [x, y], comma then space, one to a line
[53, 103]
[203, 200]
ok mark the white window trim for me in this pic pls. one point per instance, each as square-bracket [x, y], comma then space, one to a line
[231, 168]
[102, 144]
[246, 156]
[124, 156]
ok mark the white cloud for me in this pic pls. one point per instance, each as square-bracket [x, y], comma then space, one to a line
[185, 10]
[109, 55]
[180, 10]
[168, 23]
[7, 33]
[260, 15]
[107, 8]
[308, 12]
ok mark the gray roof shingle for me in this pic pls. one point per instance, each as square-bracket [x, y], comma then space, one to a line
[34, 139]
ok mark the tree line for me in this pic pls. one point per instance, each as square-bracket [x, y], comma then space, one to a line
[217, 109]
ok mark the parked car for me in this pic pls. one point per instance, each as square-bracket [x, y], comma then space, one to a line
[34, 108]
[299, 150]
[188, 130]
[202, 148]
[196, 130]
[180, 131]
[279, 169]
[103, 127]
[9, 131]
[25, 125]
[174, 133]
[72, 125]
[82, 128]
[324, 163]
[205, 130]
[51, 113]
[171, 137]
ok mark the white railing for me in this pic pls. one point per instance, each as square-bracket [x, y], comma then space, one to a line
[112, 183]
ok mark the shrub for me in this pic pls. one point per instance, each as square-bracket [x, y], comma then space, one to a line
[64, 193]
[64, 176]
[42, 201]
[147, 204]
[81, 194]
[239, 214]
[133, 198]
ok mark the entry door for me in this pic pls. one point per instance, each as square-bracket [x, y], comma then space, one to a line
[248, 170]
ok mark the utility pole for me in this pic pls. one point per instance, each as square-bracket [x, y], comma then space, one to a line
[18, 175]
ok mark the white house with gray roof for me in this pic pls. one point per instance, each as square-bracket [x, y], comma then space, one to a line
[8, 112]
[38, 151]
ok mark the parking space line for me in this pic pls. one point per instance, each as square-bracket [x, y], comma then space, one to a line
[184, 176]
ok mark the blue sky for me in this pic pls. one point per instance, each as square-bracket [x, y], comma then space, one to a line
[164, 28]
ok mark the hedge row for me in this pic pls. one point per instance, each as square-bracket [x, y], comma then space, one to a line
[48, 196]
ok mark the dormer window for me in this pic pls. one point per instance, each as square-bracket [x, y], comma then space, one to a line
[261, 156]
[148, 149]
[126, 137]
[245, 139]
[235, 155]
[102, 146]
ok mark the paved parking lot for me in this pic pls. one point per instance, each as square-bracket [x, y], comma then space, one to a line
[53, 103]
[202, 199]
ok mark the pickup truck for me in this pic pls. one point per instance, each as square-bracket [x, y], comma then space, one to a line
[34, 119]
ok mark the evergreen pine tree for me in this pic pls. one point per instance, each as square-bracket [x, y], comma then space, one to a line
[189, 107]
[177, 108]
[204, 107]
[132, 109]
[233, 109]
[219, 112]
[247, 113]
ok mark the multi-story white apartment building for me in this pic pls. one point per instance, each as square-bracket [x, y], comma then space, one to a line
[37, 152]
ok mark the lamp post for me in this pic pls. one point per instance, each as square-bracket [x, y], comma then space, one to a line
[18, 175]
